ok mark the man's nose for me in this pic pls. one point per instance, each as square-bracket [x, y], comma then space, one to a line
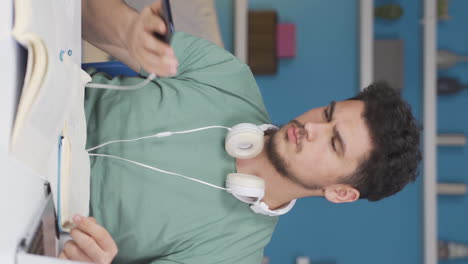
[313, 130]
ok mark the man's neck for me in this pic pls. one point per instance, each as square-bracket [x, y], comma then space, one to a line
[279, 190]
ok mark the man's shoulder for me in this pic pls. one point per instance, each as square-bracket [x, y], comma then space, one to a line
[198, 53]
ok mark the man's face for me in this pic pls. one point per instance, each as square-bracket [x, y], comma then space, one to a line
[321, 146]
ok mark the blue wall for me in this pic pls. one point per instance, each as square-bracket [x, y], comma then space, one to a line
[326, 68]
[452, 117]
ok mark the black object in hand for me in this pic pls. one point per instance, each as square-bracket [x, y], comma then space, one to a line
[166, 15]
[448, 85]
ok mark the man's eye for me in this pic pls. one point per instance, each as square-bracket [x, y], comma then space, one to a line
[325, 113]
[333, 144]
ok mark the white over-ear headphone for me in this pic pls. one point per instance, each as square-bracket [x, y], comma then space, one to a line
[251, 189]
[243, 141]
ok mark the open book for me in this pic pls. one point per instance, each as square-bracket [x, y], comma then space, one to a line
[50, 112]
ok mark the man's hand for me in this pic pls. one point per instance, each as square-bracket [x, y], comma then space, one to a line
[91, 243]
[152, 54]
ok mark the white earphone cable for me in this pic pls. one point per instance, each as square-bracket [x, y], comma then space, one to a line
[150, 77]
[162, 134]
[156, 169]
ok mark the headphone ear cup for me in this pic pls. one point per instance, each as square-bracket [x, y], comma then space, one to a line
[245, 187]
[244, 141]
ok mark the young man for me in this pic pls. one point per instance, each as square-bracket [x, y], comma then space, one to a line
[366, 147]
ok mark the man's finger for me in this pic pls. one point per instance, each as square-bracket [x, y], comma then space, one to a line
[156, 46]
[152, 22]
[161, 66]
[96, 232]
[156, 7]
[87, 244]
[72, 251]
[63, 256]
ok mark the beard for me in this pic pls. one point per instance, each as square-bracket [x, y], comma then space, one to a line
[279, 162]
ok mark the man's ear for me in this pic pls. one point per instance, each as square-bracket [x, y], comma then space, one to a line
[341, 193]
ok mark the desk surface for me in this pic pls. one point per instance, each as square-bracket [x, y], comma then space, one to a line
[22, 193]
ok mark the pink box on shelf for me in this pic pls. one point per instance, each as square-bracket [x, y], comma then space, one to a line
[286, 40]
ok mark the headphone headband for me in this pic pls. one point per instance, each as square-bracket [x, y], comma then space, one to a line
[262, 208]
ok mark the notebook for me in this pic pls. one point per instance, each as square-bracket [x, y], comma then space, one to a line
[50, 113]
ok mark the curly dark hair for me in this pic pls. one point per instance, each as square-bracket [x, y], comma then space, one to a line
[393, 161]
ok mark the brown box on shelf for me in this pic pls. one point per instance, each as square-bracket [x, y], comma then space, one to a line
[262, 57]
[389, 62]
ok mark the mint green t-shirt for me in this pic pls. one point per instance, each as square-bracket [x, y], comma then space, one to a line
[160, 218]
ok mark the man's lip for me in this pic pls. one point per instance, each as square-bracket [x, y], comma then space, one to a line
[297, 133]
[292, 134]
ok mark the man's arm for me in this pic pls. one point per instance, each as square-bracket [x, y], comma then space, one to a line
[121, 31]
